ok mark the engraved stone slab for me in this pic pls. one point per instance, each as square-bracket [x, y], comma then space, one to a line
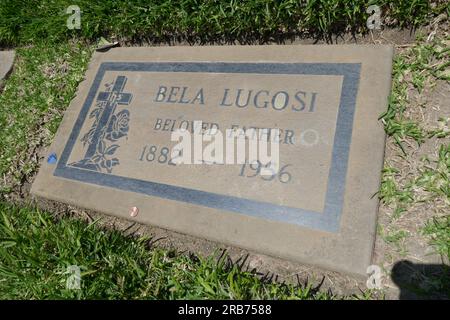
[6, 62]
[112, 150]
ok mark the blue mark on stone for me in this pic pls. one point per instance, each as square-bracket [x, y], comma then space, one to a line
[52, 158]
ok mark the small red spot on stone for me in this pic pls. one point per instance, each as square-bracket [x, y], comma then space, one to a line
[134, 211]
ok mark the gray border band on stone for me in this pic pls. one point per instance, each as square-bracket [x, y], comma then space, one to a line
[328, 220]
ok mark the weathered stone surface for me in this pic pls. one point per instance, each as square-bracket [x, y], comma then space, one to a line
[110, 151]
[6, 62]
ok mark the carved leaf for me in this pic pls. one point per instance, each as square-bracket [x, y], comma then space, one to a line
[111, 149]
[101, 147]
[87, 138]
[96, 158]
[95, 113]
[115, 162]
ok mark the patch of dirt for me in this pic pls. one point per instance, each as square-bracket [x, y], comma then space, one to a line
[425, 108]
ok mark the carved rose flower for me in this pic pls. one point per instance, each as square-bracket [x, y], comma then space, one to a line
[118, 127]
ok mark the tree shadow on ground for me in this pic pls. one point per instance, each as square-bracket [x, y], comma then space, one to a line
[421, 281]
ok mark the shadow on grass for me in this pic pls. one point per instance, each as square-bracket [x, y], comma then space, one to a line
[421, 281]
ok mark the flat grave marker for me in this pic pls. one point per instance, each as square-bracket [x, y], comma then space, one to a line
[320, 104]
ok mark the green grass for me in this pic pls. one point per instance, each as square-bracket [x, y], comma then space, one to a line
[432, 182]
[36, 250]
[419, 67]
[438, 230]
[434, 178]
[32, 103]
[416, 70]
[437, 182]
[30, 21]
[394, 237]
